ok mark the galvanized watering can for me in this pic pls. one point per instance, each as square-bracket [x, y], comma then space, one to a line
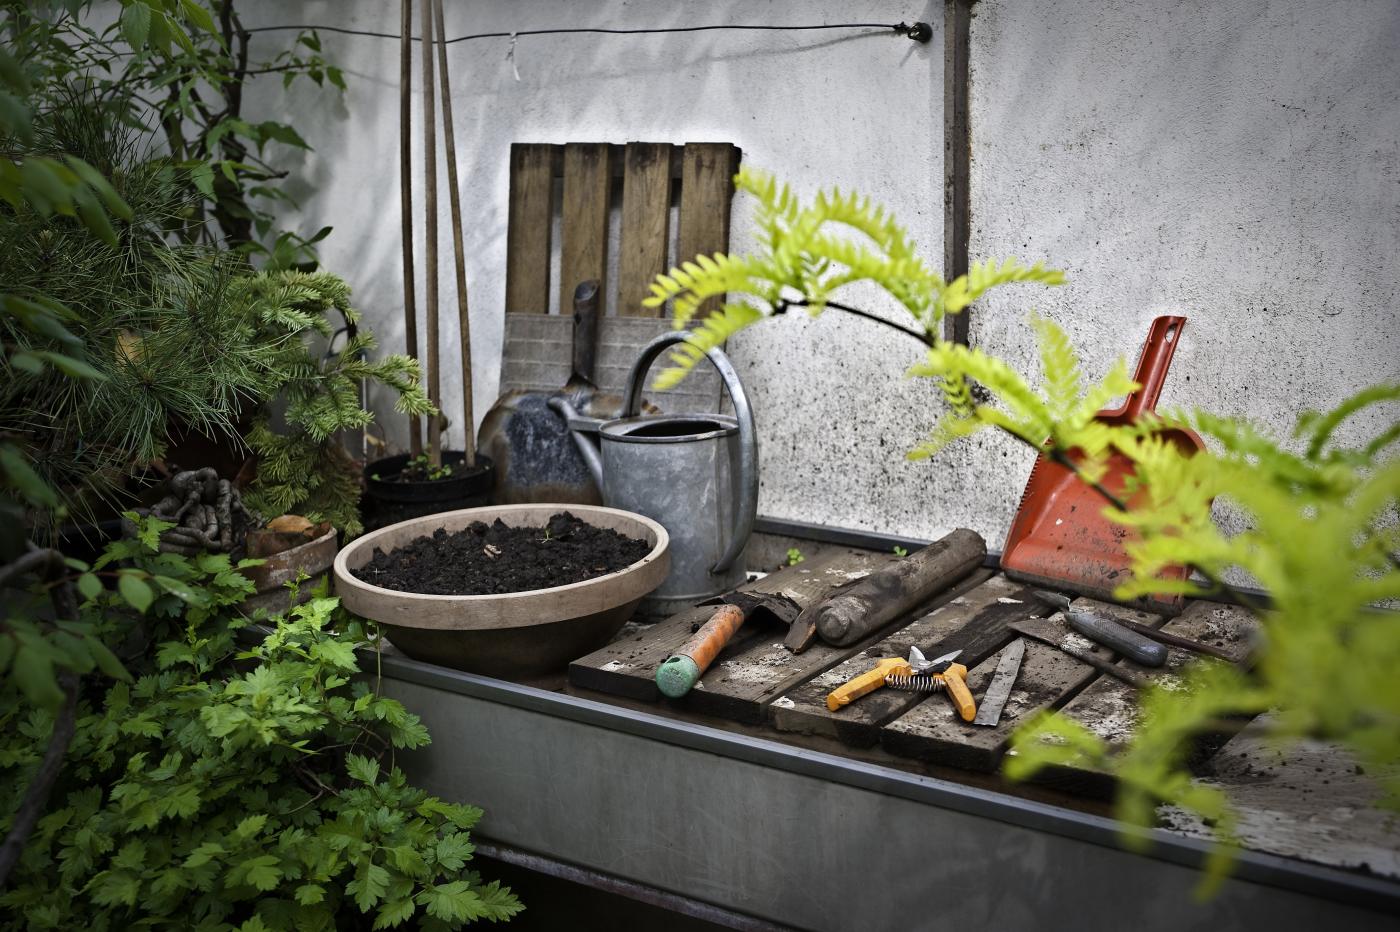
[696, 474]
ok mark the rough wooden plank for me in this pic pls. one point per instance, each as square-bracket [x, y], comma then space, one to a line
[628, 666]
[584, 246]
[646, 224]
[1310, 801]
[1049, 678]
[527, 235]
[707, 188]
[974, 622]
[751, 684]
[1109, 708]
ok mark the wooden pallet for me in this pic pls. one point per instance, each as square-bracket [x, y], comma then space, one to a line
[756, 681]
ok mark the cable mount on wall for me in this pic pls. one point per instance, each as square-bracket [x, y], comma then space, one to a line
[918, 32]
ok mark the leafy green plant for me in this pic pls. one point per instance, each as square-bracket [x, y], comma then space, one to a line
[1324, 539]
[794, 556]
[184, 65]
[808, 253]
[421, 468]
[226, 786]
[302, 467]
[900, 551]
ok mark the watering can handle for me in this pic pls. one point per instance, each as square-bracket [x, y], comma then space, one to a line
[747, 508]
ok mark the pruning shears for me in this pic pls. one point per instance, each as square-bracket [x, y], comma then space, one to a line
[916, 674]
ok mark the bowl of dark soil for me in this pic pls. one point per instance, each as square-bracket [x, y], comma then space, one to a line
[401, 487]
[507, 590]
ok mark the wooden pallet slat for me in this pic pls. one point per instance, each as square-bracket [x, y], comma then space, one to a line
[646, 224]
[1110, 709]
[528, 232]
[752, 684]
[584, 235]
[973, 622]
[707, 189]
[628, 667]
[1048, 679]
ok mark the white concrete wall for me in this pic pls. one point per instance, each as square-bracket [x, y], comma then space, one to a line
[1235, 161]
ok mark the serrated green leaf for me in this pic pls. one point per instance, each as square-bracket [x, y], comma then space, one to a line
[369, 886]
[363, 769]
[335, 653]
[136, 24]
[450, 902]
[262, 872]
[198, 15]
[393, 913]
[250, 827]
[309, 894]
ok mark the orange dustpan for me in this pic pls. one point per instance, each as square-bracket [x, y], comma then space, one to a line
[1060, 538]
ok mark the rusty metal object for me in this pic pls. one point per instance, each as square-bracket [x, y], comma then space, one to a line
[207, 512]
[1059, 537]
[273, 577]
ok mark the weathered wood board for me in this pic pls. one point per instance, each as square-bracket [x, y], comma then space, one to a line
[1311, 801]
[973, 622]
[628, 667]
[757, 681]
[1048, 679]
[1110, 708]
[646, 224]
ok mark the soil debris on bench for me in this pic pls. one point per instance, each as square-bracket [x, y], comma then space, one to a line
[493, 559]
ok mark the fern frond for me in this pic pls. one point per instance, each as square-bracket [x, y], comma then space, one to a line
[1059, 363]
[983, 276]
[1318, 428]
[814, 250]
[711, 333]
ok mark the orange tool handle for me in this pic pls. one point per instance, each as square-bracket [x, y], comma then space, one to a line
[955, 679]
[705, 644]
[867, 682]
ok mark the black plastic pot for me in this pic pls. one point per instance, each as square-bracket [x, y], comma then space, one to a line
[388, 501]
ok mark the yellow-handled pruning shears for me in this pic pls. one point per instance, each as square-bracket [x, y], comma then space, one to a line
[915, 673]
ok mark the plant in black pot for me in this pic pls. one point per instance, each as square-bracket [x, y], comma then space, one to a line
[428, 479]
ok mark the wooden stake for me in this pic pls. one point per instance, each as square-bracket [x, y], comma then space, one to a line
[430, 206]
[458, 252]
[410, 307]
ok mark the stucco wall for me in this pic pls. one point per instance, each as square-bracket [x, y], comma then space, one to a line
[1235, 161]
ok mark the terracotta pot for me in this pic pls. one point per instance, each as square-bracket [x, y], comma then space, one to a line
[313, 558]
[516, 633]
[388, 501]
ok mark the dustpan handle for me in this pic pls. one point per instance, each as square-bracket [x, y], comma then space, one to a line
[1152, 367]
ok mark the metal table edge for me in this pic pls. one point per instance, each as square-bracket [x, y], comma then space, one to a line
[1250, 866]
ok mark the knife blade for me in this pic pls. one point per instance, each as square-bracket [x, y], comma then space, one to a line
[994, 699]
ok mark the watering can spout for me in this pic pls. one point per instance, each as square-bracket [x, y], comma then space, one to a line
[591, 457]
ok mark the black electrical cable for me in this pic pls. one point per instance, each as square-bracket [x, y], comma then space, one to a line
[919, 32]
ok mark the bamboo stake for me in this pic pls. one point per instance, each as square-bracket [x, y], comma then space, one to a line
[458, 252]
[410, 306]
[430, 206]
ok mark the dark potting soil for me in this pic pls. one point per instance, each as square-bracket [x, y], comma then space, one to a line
[491, 559]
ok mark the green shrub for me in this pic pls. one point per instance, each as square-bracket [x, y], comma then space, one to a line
[233, 783]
